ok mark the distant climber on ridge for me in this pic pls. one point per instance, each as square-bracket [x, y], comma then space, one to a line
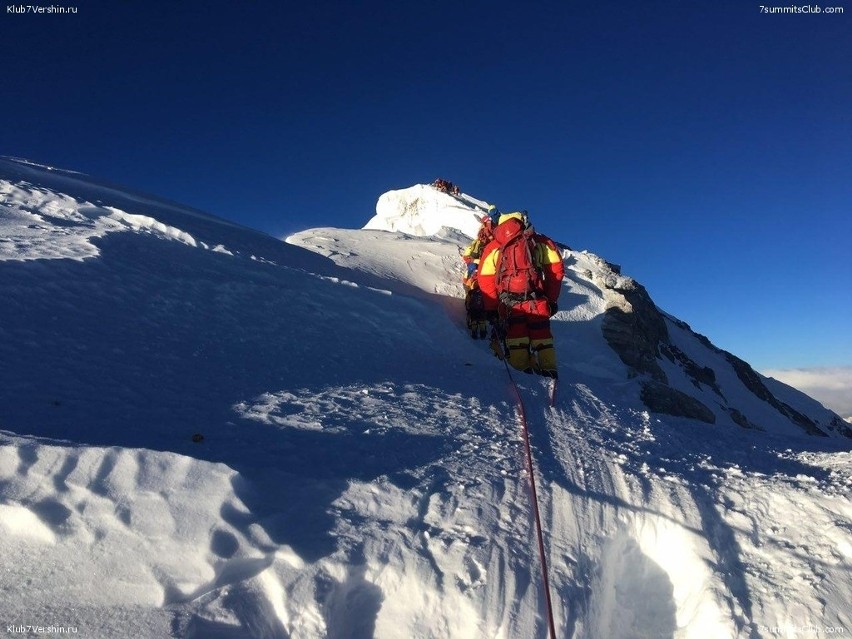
[473, 301]
[445, 186]
[520, 275]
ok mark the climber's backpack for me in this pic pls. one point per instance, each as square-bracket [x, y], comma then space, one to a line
[518, 276]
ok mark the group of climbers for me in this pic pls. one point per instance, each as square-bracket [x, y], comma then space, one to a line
[445, 186]
[513, 280]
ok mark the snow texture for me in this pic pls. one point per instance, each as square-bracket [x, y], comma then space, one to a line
[359, 472]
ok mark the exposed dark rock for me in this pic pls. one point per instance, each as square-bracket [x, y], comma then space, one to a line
[660, 398]
[701, 338]
[742, 420]
[749, 377]
[623, 333]
[704, 340]
[633, 326]
[615, 268]
[698, 374]
[678, 322]
[841, 426]
[636, 330]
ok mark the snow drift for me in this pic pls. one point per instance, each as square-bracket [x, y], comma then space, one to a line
[360, 473]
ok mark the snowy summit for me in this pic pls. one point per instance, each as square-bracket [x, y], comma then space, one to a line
[208, 432]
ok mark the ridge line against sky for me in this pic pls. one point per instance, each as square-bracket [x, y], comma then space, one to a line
[704, 146]
[831, 386]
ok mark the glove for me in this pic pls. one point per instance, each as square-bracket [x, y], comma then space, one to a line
[553, 308]
[491, 317]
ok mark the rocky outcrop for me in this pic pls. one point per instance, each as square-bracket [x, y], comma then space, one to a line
[698, 374]
[632, 326]
[749, 377]
[636, 330]
[841, 426]
[661, 398]
[741, 420]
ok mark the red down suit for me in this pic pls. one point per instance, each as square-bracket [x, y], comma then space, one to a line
[525, 318]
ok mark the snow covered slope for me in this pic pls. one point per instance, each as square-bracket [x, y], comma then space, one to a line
[360, 473]
[682, 373]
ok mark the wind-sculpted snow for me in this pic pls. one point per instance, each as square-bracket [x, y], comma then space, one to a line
[408, 264]
[422, 210]
[359, 473]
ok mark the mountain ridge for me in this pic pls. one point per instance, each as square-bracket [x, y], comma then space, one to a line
[359, 472]
[633, 326]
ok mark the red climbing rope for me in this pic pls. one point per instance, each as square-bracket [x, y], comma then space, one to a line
[544, 572]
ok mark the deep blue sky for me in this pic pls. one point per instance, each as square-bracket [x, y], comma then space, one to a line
[703, 145]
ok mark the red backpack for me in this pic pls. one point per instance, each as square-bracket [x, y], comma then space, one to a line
[518, 276]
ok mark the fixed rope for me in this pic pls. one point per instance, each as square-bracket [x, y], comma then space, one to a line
[522, 413]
